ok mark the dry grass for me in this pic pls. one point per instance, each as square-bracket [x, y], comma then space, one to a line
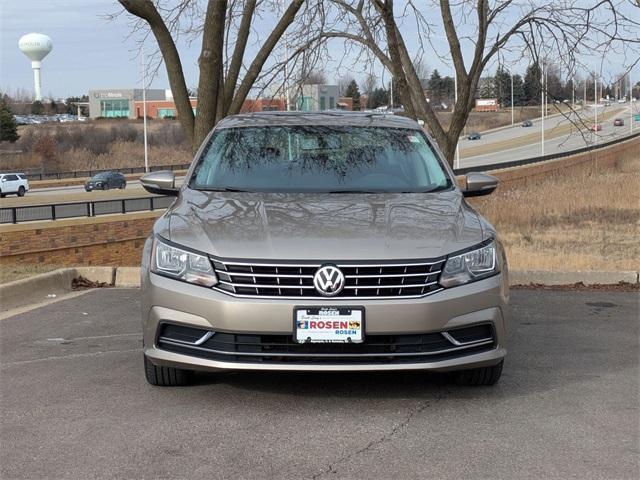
[95, 145]
[588, 220]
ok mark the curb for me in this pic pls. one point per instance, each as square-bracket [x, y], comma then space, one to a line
[39, 288]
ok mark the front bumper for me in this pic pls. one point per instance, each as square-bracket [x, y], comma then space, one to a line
[170, 301]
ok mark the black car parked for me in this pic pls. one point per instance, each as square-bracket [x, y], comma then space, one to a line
[105, 181]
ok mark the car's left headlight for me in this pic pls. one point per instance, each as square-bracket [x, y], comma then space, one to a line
[181, 264]
[470, 266]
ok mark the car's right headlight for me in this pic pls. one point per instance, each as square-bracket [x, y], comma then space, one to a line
[181, 264]
[470, 266]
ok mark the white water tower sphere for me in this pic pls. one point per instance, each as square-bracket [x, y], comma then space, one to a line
[36, 46]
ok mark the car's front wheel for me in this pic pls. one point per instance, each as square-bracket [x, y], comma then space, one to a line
[480, 376]
[21, 191]
[166, 376]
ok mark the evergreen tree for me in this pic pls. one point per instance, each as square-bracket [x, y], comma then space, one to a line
[532, 85]
[37, 108]
[378, 98]
[435, 87]
[487, 88]
[354, 92]
[502, 82]
[518, 90]
[8, 126]
[449, 90]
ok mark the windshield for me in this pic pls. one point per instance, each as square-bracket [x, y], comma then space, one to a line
[319, 159]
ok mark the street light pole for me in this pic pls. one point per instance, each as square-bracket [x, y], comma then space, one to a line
[455, 96]
[144, 112]
[511, 99]
[542, 103]
[595, 107]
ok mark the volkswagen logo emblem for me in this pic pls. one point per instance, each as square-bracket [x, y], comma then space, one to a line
[328, 280]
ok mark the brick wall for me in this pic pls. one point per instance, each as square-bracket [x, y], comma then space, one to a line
[97, 241]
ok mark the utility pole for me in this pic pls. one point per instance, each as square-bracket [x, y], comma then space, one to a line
[144, 112]
[630, 104]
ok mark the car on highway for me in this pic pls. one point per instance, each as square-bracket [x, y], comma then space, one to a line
[13, 183]
[474, 136]
[596, 127]
[527, 123]
[105, 181]
[618, 122]
[306, 241]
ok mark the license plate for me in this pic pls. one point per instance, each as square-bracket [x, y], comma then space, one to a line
[328, 325]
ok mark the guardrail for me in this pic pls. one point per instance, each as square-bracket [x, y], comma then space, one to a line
[57, 211]
[90, 173]
[551, 156]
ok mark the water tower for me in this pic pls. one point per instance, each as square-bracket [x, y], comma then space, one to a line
[36, 46]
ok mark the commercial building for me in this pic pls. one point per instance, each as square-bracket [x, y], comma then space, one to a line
[120, 103]
[318, 97]
[127, 102]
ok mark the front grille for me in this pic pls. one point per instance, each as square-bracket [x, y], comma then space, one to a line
[362, 280]
[248, 348]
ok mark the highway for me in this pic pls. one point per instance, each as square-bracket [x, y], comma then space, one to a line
[495, 146]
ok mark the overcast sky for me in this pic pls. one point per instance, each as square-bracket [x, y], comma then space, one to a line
[90, 52]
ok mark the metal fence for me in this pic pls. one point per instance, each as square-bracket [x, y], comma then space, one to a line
[552, 156]
[58, 211]
[90, 173]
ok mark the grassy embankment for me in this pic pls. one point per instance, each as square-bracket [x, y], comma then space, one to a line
[589, 220]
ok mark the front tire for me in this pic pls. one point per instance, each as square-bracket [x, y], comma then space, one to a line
[480, 376]
[166, 376]
[21, 191]
[105, 187]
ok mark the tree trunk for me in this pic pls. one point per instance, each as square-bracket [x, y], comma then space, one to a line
[210, 64]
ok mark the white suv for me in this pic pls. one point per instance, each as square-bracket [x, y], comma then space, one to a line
[13, 183]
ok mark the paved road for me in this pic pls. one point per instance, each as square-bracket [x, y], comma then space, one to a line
[75, 405]
[560, 135]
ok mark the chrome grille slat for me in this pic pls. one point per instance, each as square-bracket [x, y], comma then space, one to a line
[412, 279]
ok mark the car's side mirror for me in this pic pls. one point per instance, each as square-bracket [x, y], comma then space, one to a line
[479, 184]
[161, 183]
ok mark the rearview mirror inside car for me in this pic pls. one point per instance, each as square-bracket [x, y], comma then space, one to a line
[479, 184]
[160, 183]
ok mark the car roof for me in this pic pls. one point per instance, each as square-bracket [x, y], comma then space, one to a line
[330, 118]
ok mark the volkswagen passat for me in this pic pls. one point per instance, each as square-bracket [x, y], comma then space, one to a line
[322, 242]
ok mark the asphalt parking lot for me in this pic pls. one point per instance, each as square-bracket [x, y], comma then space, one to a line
[75, 404]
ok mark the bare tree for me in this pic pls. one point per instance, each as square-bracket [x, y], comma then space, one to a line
[562, 28]
[343, 84]
[225, 29]
[313, 77]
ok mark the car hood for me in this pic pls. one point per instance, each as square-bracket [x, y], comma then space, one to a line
[322, 226]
